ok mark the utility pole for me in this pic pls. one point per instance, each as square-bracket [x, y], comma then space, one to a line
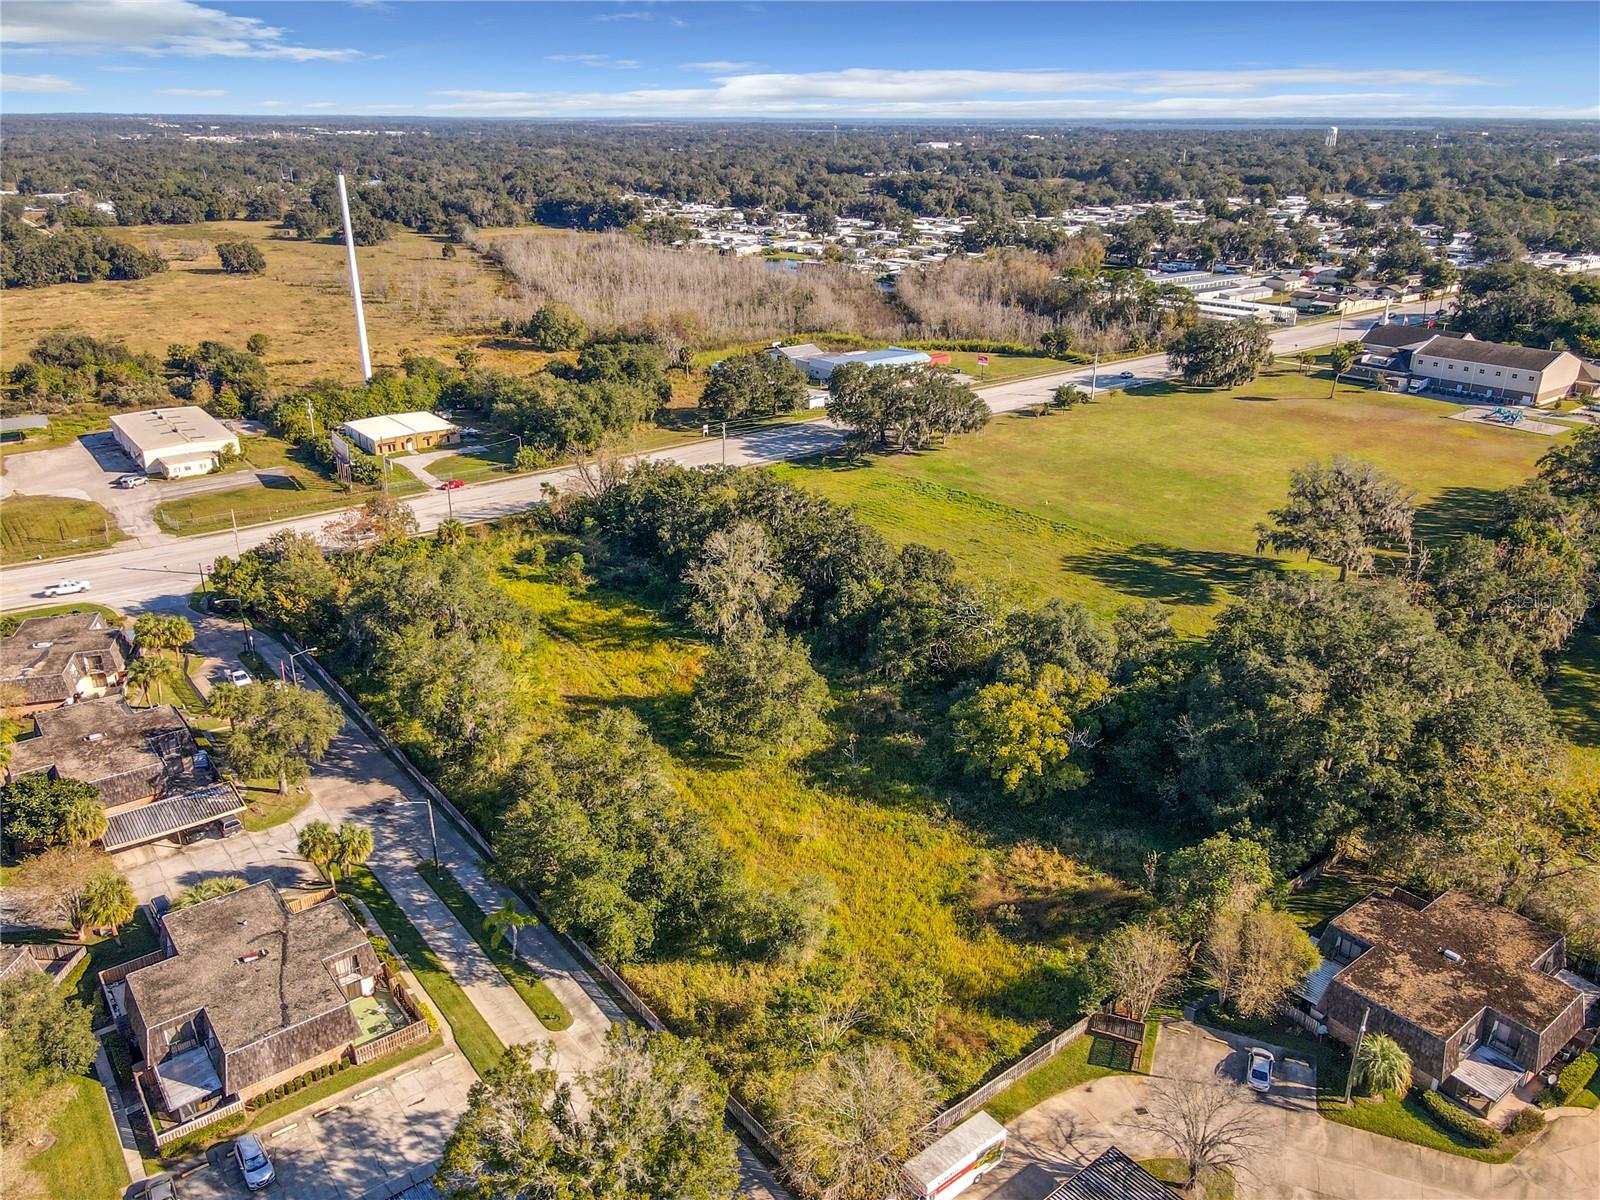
[311, 415]
[234, 518]
[1355, 1053]
[433, 834]
[1094, 379]
[450, 503]
[724, 443]
[203, 588]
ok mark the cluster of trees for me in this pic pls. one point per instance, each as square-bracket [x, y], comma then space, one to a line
[49, 1042]
[1508, 184]
[757, 384]
[902, 408]
[31, 258]
[1220, 353]
[64, 369]
[1517, 302]
[645, 1124]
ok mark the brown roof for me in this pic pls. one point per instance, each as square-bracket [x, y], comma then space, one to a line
[1395, 336]
[47, 656]
[1406, 970]
[251, 964]
[1491, 354]
[128, 753]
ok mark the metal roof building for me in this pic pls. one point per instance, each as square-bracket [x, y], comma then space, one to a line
[174, 442]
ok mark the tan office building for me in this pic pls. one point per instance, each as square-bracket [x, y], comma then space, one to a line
[401, 433]
[1495, 371]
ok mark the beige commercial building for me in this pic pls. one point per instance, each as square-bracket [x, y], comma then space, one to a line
[1495, 371]
[401, 433]
[174, 442]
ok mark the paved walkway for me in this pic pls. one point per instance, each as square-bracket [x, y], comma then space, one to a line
[119, 1102]
[1310, 1158]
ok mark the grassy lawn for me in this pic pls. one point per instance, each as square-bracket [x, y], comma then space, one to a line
[1335, 890]
[991, 919]
[266, 807]
[1095, 505]
[535, 993]
[64, 427]
[85, 1160]
[1214, 1183]
[1404, 1118]
[299, 494]
[492, 460]
[1574, 691]
[1003, 368]
[473, 1036]
[415, 299]
[1066, 1070]
[34, 527]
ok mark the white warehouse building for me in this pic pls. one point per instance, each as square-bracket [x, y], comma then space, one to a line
[174, 442]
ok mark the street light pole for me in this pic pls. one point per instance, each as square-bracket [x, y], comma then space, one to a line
[294, 671]
[724, 443]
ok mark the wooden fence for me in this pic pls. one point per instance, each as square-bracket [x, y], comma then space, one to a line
[408, 1035]
[985, 1092]
[119, 972]
[173, 1132]
[1314, 872]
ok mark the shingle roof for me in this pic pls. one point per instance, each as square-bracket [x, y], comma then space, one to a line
[47, 656]
[1406, 970]
[1112, 1176]
[1489, 354]
[251, 964]
[1400, 337]
[127, 753]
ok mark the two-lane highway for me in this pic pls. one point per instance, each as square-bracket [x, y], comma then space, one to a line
[135, 575]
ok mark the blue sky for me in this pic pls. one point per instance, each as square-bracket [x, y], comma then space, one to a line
[843, 61]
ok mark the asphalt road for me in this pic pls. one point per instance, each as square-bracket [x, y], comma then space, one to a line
[136, 575]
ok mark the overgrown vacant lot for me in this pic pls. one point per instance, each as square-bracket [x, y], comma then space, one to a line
[415, 300]
[917, 889]
[1155, 495]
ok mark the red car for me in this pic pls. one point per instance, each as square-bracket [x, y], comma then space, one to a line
[450, 485]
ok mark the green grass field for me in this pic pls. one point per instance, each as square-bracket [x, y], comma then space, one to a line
[50, 526]
[1155, 494]
[914, 886]
[85, 1160]
[1069, 1069]
[251, 503]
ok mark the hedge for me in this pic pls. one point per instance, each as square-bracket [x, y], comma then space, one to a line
[1460, 1122]
[203, 1137]
[294, 1085]
[1573, 1079]
[1527, 1120]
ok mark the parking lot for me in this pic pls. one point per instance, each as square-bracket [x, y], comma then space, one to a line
[383, 1141]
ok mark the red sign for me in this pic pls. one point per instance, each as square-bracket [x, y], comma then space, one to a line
[983, 360]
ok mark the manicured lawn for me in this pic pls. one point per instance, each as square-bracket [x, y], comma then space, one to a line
[1066, 1070]
[491, 461]
[11, 620]
[1574, 690]
[913, 884]
[302, 493]
[85, 1161]
[315, 1093]
[473, 1036]
[1404, 1118]
[535, 993]
[34, 527]
[1155, 494]
[1335, 890]
[266, 807]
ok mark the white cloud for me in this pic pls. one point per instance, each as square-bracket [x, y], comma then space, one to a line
[312, 105]
[594, 60]
[626, 16]
[192, 91]
[41, 85]
[272, 104]
[1282, 92]
[150, 27]
[718, 67]
[122, 69]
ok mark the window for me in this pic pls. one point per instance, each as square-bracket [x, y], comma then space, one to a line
[1504, 1036]
[1497, 374]
[1344, 949]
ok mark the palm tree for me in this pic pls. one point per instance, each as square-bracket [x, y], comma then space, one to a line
[208, 889]
[83, 820]
[318, 845]
[145, 673]
[505, 921]
[106, 902]
[352, 847]
[1382, 1066]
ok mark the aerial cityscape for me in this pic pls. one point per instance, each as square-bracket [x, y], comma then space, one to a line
[799, 601]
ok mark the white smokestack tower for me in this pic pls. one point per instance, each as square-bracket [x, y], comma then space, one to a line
[355, 283]
[1332, 139]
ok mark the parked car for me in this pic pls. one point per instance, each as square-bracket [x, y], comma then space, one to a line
[253, 1162]
[450, 485]
[230, 827]
[238, 676]
[132, 481]
[1259, 1073]
[156, 1187]
[66, 587]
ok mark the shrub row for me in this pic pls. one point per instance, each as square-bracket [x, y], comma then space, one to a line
[1460, 1122]
[294, 1085]
[203, 1137]
[1573, 1079]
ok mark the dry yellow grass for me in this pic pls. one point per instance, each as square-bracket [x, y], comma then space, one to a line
[415, 300]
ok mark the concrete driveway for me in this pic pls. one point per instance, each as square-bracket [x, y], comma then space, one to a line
[1310, 1158]
[86, 469]
[384, 1139]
